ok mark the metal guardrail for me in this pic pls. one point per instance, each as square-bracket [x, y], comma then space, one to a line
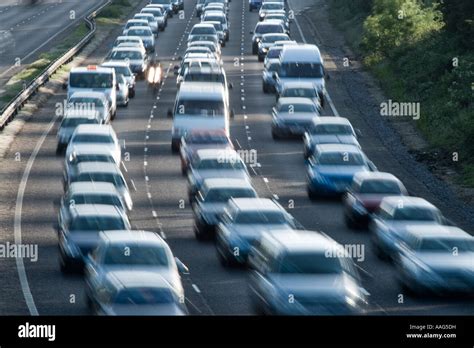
[9, 112]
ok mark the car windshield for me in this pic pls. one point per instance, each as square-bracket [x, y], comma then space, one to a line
[331, 129]
[139, 32]
[380, 187]
[219, 19]
[223, 195]
[136, 255]
[96, 199]
[341, 159]
[207, 108]
[203, 31]
[123, 55]
[136, 23]
[301, 70]
[310, 263]
[446, 245]
[299, 93]
[115, 179]
[76, 121]
[144, 296]
[91, 80]
[91, 158]
[85, 102]
[292, 108]
[93, 138]
[261, 218]
[416, 214]
[145, 18]
[97, 223]
[269, 28]
[274, 53]
[209, 164]
[270, 6]
[199, 77]
[207, 139]
[274, 38]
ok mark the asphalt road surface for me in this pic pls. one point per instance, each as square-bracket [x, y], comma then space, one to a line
[30, 188]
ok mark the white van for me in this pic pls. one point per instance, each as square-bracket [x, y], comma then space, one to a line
[199, 105]
[94, 79]
[301, 63]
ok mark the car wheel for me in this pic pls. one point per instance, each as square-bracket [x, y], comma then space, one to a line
[132, 93]
[200, 235]
[311, 194]
[261, 58]
[275, 135]
[265, 88]
[349, 222]
[65, 266]
[254, 49]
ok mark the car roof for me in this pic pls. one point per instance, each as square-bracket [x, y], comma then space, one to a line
[141, 27]
[115, 63]
[405, 201]
[220, 183]
[252, 204]
[88, 94]
[338, 148]
[301, 241]
[95, 210]
[361, 176]
[331, 120]
[87, 69]
[274, 34]
[104, 129]
[301, 53]
[98, 167]
[430, 231]
[295, 100]
[127, 37]
[201, 90]
[270, 22]
[129, 237]
[134, 278]
[203, 25]
[76, 112]
[127, 49]
[92, 187]
[216, 153]
[90, 149]
[298, 84]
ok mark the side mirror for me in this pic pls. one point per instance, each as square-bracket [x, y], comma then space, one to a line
[117, 87]
[327, 76]
[358, 132]
[176, 67]
[64, 85]
[274, 111]
[372, 166]
[230, 85]
[180, 57]
[232, 113]
[182, 268]
[251, 33]
[169, 114]
[274, 75]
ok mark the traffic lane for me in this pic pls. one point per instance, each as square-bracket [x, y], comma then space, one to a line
[216, 290]
[283, 167]
[32, 27]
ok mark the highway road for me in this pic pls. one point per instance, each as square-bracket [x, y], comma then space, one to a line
[37, 28]
[31, 188]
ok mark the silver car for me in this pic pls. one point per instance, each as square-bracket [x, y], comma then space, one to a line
[96, 101]
[242, 224]
[293, 117]
[212, 199]
[133, 251]
[436, 259]
[150, 18]
[212, 164]
[395, 215]
[123, 68]
[134, 56]
[304, 273]
[72, 119]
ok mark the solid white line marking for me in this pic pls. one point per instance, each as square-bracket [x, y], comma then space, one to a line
[133, 184]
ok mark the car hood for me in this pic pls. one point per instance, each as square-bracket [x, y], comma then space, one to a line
[317, 82]
[145, 310]
[371, 201]
[339, 171]
[334, 139]
[253, 232]
[201, 175]
[297, 116]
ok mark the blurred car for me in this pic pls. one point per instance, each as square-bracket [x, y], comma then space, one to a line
[293, 117]
[255, 5]
[96, 135]
[268, 82]
[273, 54]
[215, 49]
[132, 251]
[329, 130]
[136, 293]
[79, 231]
[159, 15]
[134, 56]
[199, 7]
[211, 200]
[166, 5]
[144, 33]
[216, 16]
[87, 153]
[243, 222]
[73, 118]
[213, 164]
[267, 27]
[292, 275]
[199, 140]
[150, 18]
[193, 60]
[436, 260]
[332, 168]
[129, 39]
[269, 7]
[267, 41]
[101, 172]
[365, 194]
[202, 29]
[123, 68]
[395, 215]
[123, 96]
[96, 101]
[219, 31]
[91, 193]
[279, 15]
[300, 89]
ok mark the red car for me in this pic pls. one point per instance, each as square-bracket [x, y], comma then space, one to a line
[365, 194]
[201, 139]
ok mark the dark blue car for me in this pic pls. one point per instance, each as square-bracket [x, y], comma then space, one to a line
[255, 5]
